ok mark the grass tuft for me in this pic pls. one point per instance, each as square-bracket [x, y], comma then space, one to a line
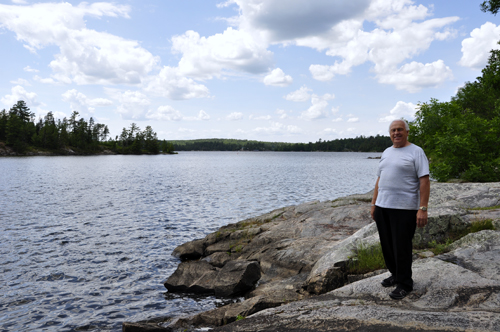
[366, 259]
[485, 208]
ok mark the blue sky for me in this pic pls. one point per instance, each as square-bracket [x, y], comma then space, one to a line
[269, 70]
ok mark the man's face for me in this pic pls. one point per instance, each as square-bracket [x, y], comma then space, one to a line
[399, 134]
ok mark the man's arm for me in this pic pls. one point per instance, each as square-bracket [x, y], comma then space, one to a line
[374, 199]
[425, 190]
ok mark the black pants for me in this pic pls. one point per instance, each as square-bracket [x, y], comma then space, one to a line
[396, 229]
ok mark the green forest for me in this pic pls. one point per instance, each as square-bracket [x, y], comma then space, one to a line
[358, 144]
[19, 131]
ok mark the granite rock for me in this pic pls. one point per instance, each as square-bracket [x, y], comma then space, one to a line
[302, 251]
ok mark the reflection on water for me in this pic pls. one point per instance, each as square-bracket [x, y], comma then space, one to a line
[85, 242]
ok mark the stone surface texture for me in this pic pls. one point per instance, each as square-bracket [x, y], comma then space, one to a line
[302, 284]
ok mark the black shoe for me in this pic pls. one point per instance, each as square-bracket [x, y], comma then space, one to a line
[399, 293]
[389, 282]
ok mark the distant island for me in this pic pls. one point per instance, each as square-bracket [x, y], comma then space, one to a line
[20, 134]
[359, 144]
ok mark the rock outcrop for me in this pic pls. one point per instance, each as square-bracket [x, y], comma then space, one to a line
[459, 291]
[7, 151]
[301, 252]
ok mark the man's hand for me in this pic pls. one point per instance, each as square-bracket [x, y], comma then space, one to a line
[372, 212]
[421, 218]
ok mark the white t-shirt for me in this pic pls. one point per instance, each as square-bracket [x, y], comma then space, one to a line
[400, 170]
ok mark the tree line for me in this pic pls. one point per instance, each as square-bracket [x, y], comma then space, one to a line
[359, 144]
[19, 130]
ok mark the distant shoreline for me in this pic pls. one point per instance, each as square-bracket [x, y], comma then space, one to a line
[6, 151]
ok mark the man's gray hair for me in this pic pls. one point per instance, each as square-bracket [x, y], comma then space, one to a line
[407, 127]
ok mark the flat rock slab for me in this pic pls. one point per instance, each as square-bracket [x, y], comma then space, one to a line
[446, 297]
[333, 315]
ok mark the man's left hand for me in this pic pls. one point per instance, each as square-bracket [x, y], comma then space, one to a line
[421, 218]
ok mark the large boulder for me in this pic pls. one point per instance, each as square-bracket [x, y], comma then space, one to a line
[441, 222]
[190, 250]
[236, 278]
[193, 277]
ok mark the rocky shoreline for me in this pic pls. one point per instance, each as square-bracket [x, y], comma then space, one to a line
[6, 151]
[289, 265]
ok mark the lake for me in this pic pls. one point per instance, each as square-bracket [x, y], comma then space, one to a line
[86, 241]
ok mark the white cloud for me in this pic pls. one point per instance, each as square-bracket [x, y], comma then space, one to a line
[318, 109]
[90, 57]
[415, 76]
[235, 116]
[299, 95]
[328, 96]
[401, 110]
[476, 49]
[164, 113]
[30, 70]
[278, 78]
[323, 73]
[233, 50]
[329, 131]
[171, 84]
[202, 115]
[186, 130]
[337, 119]
[21, 81]
[282, 114]
[278, 128]
[401, 33]
[19, 93]
[20, 2]
[353, 120]
[47, 80]
[82, 104]
[134, 105]
[225, 4]
[86, 56]
[262, 117]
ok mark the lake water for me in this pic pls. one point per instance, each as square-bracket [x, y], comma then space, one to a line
[86, 242]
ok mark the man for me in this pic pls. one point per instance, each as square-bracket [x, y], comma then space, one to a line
[399, 204]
